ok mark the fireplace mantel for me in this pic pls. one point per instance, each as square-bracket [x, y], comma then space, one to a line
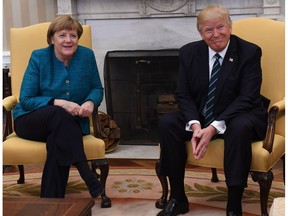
[110, 9]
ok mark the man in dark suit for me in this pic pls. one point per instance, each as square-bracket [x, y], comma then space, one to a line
[217, 95]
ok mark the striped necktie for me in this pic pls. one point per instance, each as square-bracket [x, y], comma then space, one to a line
[209, 117]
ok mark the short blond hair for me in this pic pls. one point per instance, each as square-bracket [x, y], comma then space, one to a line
[212, 12]
[65, 22]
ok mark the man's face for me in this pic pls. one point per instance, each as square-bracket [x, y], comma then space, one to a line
[216, 33]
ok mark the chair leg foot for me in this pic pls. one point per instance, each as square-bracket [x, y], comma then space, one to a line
[103, 165]
[283, 160]
[21, 179]
[106, 202]
[214, 175]
[265, 182]
[161, 202]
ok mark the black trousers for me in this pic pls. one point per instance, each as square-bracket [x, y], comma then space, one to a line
[237, 148]
[63, 136]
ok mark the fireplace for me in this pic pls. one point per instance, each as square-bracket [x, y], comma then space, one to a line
[139, 88]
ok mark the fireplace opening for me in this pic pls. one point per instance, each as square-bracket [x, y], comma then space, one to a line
[139, 88]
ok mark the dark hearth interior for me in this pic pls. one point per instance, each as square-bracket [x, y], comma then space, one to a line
[139, 87]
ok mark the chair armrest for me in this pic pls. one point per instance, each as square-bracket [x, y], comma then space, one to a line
[9, 102]
[95, 123]
[272, 116]
[280, 105]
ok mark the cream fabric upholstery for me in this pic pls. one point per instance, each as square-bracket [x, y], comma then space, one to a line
[18, 151]
[32, 152]
[270, 36]
[262, 161]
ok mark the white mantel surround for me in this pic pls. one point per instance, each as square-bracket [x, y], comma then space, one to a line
[151, 24]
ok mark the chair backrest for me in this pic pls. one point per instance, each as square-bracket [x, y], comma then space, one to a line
[24, 40]
[270, 36]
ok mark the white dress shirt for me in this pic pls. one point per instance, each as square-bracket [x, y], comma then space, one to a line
[220, 126]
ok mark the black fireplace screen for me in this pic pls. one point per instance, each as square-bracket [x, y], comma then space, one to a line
[139, 88]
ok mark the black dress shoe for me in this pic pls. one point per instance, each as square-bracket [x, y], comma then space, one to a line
[231, 213]
[174, 208]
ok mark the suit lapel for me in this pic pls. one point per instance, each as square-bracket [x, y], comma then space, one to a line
[229, 62]
[203, 70]
[203, 64]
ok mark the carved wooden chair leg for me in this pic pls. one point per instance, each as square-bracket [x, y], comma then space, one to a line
[214, 175]
[103, 165]
[21, 179]
[265, 181]
[283, 163]
[94, 169]
[160, 203]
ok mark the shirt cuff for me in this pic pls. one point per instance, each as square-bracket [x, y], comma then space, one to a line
[188, 125]
[220, 126]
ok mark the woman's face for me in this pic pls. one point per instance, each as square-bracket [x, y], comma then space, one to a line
[65, 44]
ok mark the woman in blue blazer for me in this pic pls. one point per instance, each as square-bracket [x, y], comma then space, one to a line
[60, 89]
[238, 113]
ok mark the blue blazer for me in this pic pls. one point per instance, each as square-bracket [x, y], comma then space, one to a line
[47, 78]
[238, 86]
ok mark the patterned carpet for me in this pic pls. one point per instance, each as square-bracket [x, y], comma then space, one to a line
[134, 189]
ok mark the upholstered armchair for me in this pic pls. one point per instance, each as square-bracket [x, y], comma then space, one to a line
[17, 151]
[270, 36]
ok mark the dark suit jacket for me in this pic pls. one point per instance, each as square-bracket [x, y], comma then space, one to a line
[238, 87]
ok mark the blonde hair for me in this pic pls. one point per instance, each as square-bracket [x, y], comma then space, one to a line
[211, 13]
[65, 22]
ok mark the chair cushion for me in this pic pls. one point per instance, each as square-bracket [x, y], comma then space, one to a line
[21, 151]
[262, 161]
[94, 148]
